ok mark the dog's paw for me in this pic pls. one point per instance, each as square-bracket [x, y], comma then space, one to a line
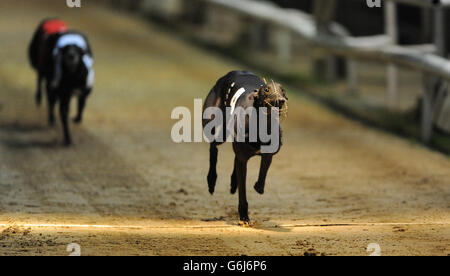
[259, 188]
[77, 120]
[233, 189]
[212, 178]
[245, 223]
[234, 184]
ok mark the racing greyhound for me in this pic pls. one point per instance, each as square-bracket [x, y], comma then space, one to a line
[243, 89]
[66, 64]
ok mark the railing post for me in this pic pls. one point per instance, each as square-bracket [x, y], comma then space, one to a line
[427, 113]
[432, 92]
[284, 42]
[436, 91]
[352, 77]
[392, 71]
[256, 34]
[324, 66]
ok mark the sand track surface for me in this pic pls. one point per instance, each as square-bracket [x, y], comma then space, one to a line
[126, 189]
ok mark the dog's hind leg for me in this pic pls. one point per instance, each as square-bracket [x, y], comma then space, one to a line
[51, 101]
[234, 181]
[39, 90]
[212, 174]
[241, 173]
[212, 100]
[266, 161]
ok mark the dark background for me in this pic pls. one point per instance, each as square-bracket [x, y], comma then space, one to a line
[361, 20]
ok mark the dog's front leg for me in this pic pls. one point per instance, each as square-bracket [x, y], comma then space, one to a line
[64, 114]
[81, 105]
[266, 161]
[212, 174]
[241, 174]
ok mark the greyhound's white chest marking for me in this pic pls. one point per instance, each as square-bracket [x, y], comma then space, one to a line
[235, 98]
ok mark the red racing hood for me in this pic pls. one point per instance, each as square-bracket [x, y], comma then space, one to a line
[54, 26]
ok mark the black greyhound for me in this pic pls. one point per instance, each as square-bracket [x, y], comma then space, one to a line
[243, 89]
[67, 68]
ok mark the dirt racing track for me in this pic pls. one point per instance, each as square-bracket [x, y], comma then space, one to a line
[126, 189]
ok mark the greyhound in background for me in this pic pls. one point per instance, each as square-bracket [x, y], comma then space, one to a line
[38, 49]
[65, 63]
[243, 89]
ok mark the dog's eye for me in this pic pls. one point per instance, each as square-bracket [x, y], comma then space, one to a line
[267, 90]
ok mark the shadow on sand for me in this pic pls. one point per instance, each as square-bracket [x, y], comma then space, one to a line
[28, 135]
